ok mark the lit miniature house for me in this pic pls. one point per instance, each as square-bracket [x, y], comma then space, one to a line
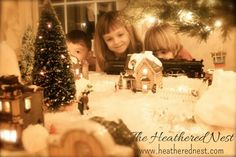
[143, 72]
[20, 106]
[79, 68]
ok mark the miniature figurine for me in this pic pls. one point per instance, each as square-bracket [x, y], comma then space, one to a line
[83, 103]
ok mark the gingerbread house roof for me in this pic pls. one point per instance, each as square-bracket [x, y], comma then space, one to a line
[154, 62]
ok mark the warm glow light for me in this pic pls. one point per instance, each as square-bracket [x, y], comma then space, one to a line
[41, 73]
[77, 71]
[145, 87]
[183, 89]
[27, 103]
[81, 75]
[186, 16]
[7, 106]
[63, 57]
[149, 19]
[145, 71]
[0, 106]
[208, 28]
[40, 37]
[49, 25]
[8, 135]
[218, 23]
[83, 24]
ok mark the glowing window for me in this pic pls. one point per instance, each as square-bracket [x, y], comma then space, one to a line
[27, 104]
[7, 106]
[0, 106]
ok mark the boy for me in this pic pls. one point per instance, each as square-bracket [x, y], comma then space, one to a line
[79, 47]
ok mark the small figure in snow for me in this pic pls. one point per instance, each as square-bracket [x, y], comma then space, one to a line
[83, 103]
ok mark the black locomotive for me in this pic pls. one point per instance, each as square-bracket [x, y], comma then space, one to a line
[175, 67]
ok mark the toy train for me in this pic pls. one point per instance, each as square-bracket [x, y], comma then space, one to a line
[114, 67]
[175, 67]
[171, 67]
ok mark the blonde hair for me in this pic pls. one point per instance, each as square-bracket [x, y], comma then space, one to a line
[162, 37]
[106, 23]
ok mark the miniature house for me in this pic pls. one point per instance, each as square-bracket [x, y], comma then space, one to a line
[79, 68]
[143, 72]
[20, 106]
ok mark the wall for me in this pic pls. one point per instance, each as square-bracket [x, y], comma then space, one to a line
[202, 50]
[15, 16]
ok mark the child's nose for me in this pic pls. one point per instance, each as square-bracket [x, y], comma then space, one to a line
[116, 40]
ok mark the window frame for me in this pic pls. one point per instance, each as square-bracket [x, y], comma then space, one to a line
[75, 2]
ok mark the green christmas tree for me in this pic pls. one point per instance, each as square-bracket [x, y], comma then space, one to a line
[196, 18]
[27, 56]
[52, 68]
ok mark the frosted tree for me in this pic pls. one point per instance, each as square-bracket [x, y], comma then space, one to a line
[27, 56]
[52, 67]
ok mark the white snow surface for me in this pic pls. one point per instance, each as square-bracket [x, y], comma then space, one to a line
[217, 106]
[34, 138]
[167, 110]
[138, 57]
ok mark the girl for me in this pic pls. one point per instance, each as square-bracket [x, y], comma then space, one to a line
[164, 42]
[114, 39]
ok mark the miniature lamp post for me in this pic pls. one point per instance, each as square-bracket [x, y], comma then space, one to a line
[218, 59]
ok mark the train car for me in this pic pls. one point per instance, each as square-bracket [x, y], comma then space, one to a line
[175, 67]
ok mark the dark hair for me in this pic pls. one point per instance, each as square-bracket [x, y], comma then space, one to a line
[76, 36]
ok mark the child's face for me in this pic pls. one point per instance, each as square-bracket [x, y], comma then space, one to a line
[79, 50]
[117, 40]
[164, 54]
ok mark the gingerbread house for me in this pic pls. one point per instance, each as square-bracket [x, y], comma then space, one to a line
[20, 106]
[143, 72]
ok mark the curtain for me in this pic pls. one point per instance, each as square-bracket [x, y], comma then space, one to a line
[15, 17]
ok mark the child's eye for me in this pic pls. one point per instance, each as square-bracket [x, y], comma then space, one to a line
[77, 51]
[109, 39]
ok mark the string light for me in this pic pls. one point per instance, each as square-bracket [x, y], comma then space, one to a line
[186, 16]
[41, 73]
[40, 37]
[49, 25]
[62, 56]
[150, 19]
[218, 23]
[207, 28]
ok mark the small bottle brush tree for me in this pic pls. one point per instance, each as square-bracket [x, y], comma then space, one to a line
[52, 68]
[27, 56]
